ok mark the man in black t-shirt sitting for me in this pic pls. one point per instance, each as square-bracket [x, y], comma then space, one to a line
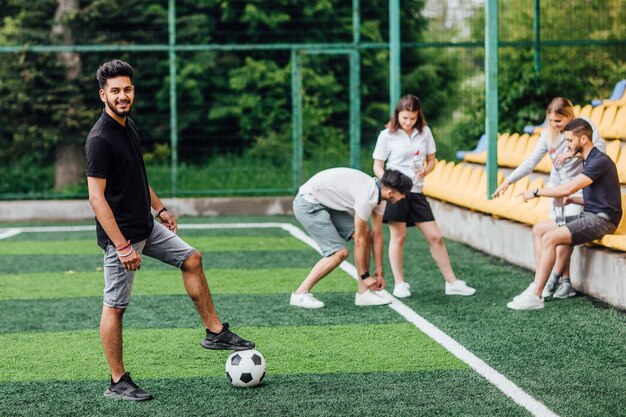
[601, 215]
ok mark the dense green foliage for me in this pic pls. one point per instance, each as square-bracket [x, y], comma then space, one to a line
[235, 105]
[230, 102]
[578, 72]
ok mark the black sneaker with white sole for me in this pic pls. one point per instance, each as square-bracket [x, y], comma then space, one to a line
[225, 340]
[126, 389]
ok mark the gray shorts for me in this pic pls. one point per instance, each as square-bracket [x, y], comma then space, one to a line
[329, 228]
[587, 227]
[162, 244]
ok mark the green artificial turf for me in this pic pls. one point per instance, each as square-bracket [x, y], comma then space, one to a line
[176, 353]
[458, 393]
[571, 355]
[79, 313]
[160, 282]
[23, 264]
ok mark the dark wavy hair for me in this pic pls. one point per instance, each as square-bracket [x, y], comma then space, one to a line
[579, 127]
[397, 181]
[112, 69]
[409, 103]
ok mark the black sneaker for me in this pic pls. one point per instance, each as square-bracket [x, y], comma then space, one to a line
[225, 340]
[126, 389]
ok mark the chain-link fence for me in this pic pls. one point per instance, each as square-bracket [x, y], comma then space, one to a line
[254, 97]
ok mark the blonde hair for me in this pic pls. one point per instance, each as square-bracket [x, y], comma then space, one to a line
[562, 107]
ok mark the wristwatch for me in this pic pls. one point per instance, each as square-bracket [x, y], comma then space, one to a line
[365, 275]
[536, 192]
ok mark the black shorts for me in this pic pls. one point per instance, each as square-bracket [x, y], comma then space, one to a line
[412, 209]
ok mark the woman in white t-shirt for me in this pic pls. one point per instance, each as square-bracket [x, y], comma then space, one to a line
[565, 167]
[407, 145]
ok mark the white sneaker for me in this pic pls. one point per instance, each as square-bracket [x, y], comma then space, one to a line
[526, 301]
[459, 287]
[550, 288]
[305, 300]
[565, 290]
[368, 298]
[529, 290]
[402, 290]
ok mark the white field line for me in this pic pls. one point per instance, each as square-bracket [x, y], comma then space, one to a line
[508, 387]
[5, 234]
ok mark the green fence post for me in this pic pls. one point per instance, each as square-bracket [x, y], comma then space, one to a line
[355, 89]
[537, 27]
[491, 91]
[171, 18]
[394, 53]
[296, 117]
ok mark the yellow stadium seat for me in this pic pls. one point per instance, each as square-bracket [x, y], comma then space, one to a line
[464, 194]
[458, 183]
[431, 179]
[621, 166]
[577, 110]
[618, 129]
[506, 205]
[477, 158]
[490, 206]
[585, 111]
[618, 239]
[480, 202]
[480, 190]
[608, 117]
[532, 143]
[507, 148]
[434, 183]
[518, 211]
[596, 114]
[514, 157]
[440, 191]
[536, 213]
[613, 149]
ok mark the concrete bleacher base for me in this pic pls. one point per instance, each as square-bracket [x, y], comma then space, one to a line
[80, 209]
[598, 272]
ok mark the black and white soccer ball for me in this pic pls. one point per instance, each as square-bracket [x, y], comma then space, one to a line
[245, 368]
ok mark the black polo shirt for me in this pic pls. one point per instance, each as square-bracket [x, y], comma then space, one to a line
[113, 152]
[603, 195]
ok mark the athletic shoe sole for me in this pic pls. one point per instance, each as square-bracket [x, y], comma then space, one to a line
[222, 346]
[459, 293]
[310, 307]
[563, 297]
[516, 308]
[110, 394]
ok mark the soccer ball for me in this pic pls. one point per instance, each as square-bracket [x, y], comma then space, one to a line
[245, 368]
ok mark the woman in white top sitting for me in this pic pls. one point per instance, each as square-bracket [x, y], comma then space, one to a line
[407, 145]
[565, 166]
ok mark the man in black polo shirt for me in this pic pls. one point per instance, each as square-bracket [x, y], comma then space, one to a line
[122, 198]
[601, 215]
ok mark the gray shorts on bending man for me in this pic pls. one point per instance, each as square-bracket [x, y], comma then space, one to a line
[162, 244]
[329, 228]
[587, 227]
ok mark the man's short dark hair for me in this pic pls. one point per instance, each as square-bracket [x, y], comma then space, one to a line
[112, 69]
[397, 181]
[579, 127]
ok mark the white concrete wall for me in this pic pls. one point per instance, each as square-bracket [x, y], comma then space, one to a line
[80, 209]
[595, 271]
